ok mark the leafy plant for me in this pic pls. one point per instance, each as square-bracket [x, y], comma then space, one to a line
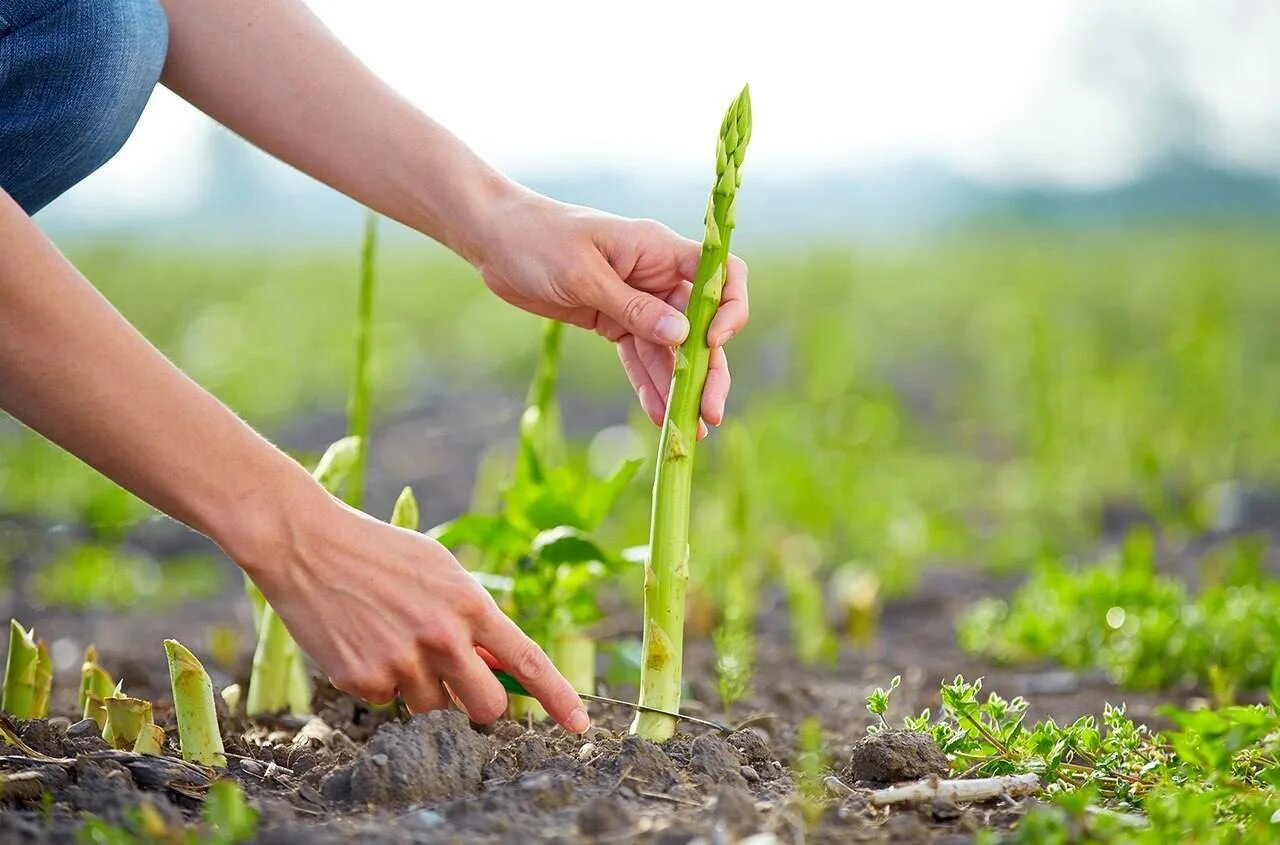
[226, 819]
[539, 554]
[1210, 778]
[1143, 628]
[667, 566]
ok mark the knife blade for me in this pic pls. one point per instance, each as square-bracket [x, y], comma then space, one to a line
[511, 685]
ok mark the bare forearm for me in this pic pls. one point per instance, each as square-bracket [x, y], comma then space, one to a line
[73, 369]
[273, 73]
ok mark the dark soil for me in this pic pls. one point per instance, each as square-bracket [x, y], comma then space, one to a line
[356, 775]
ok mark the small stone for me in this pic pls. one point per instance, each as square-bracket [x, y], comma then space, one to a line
[425, 818]
[379, 759]
[84, 728]
[252, 767]
[944, 809]
[749, 774]
[585, 752]
[59, 723]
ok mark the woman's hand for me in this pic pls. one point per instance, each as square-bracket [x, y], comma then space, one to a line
[628, 280]
[387, 611]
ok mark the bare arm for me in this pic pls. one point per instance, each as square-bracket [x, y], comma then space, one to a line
[269, 70]
[379, 608]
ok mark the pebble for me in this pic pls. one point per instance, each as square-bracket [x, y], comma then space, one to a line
[252, 767]
[84, 728]
[379, 760]
[750, 774]
[585, 752]
[426, 818]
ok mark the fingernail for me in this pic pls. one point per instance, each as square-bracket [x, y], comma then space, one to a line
[579, 721]
[672, 328]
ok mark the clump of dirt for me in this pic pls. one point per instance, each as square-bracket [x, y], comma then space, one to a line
[891, 756]
[715, 761]
[432, 756]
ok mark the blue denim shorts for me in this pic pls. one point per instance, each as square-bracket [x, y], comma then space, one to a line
[74, 76]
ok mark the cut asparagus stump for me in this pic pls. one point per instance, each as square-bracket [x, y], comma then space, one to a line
[198, 732]
[125, 719]
[667, 566]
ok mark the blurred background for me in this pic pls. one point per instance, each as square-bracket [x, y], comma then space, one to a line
[1015, 281]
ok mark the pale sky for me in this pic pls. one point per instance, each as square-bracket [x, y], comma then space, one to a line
[1052, 91]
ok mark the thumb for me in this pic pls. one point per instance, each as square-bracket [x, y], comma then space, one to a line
[642, 314]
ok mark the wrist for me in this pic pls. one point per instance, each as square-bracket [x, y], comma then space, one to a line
[266, 524]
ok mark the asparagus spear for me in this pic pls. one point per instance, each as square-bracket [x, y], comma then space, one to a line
[21, 672]
[667, 567]
[198, 732]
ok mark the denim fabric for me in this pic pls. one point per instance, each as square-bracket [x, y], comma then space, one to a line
[74, 76]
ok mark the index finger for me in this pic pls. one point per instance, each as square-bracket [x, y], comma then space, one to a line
[524, 659]
[733, 312]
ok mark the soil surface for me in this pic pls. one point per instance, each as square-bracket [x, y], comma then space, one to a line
[354, 775]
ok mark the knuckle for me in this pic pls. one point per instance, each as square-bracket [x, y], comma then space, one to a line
[531, 662]
[634, 309]
[434, 635]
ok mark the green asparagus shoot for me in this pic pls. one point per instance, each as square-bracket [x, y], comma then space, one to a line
[21, 672]
[667, 569]
[198, 733]
[358, 407]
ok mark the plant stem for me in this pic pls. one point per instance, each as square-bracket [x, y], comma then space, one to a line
[575, 657]
[359, 403]
[20, 672]
[96, 686]
[667, 567]
[43, 682]
[540, 436]
[272, 667]
[198, 731]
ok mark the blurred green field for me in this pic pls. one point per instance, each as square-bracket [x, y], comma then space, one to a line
[978, 398]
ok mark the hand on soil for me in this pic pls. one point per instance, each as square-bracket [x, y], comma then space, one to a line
[627, 280]
[387, 611]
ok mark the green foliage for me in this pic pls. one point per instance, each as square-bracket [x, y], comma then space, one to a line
[1143, 628]
[539, 552]
[93, 575]
[878, 701]
[1211, 778]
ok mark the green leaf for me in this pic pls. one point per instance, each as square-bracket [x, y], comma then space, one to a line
[486, 532]
[565, 544]
[227, 812]
[601, 494]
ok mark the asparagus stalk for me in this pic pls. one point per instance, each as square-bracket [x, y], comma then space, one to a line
[198, 732]
[575, 657]
[43, 682]
[667, 566]
[96, 687]
[20, 672]
[358, 405]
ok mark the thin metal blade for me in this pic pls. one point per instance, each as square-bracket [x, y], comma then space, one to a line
[511, 685]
